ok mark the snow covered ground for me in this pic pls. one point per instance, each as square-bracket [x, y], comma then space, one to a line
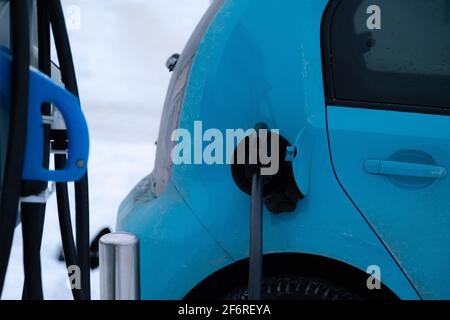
[120, 52]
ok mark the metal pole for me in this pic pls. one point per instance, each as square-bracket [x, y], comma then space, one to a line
[119, 267]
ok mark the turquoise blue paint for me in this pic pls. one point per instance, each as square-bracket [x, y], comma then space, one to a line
[261, 61]
[409, 204]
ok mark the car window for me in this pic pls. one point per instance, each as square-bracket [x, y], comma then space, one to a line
[388, 52]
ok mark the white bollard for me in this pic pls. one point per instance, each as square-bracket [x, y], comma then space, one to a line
[119, 267]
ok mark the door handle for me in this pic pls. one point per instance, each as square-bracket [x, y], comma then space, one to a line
[405, 169]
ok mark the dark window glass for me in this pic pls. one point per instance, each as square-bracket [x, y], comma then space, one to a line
[389, 52]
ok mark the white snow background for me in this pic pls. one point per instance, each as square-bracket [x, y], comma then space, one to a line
[120, 52]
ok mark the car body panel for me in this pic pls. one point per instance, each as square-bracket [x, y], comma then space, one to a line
[176, 251]
[411, 215]
[260, 61]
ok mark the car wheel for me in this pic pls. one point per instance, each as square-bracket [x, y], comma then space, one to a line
[296, 288]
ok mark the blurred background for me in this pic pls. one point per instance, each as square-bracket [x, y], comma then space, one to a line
[120, 48]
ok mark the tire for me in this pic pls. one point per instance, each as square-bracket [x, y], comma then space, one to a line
[296, 288]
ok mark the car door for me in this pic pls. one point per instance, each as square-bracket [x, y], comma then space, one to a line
[387, 79]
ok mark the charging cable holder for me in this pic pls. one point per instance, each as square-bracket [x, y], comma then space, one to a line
[67, 117]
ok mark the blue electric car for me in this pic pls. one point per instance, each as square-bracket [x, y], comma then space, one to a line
[360, 91]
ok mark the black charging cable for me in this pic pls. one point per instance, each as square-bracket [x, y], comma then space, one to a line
[258, 182]
[278, 192]
[59, 145]
[33, 214]
[256, 238]
[65, 58]
[50, 13]
[12, 183]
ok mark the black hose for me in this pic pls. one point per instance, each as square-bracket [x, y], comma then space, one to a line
[32, 228]
[62, 44]
[33, 215]
[65, 225]
[256, 219]
[82, 229]
[256, 238]
[11, 190]
[62, 193]
[81, 187]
